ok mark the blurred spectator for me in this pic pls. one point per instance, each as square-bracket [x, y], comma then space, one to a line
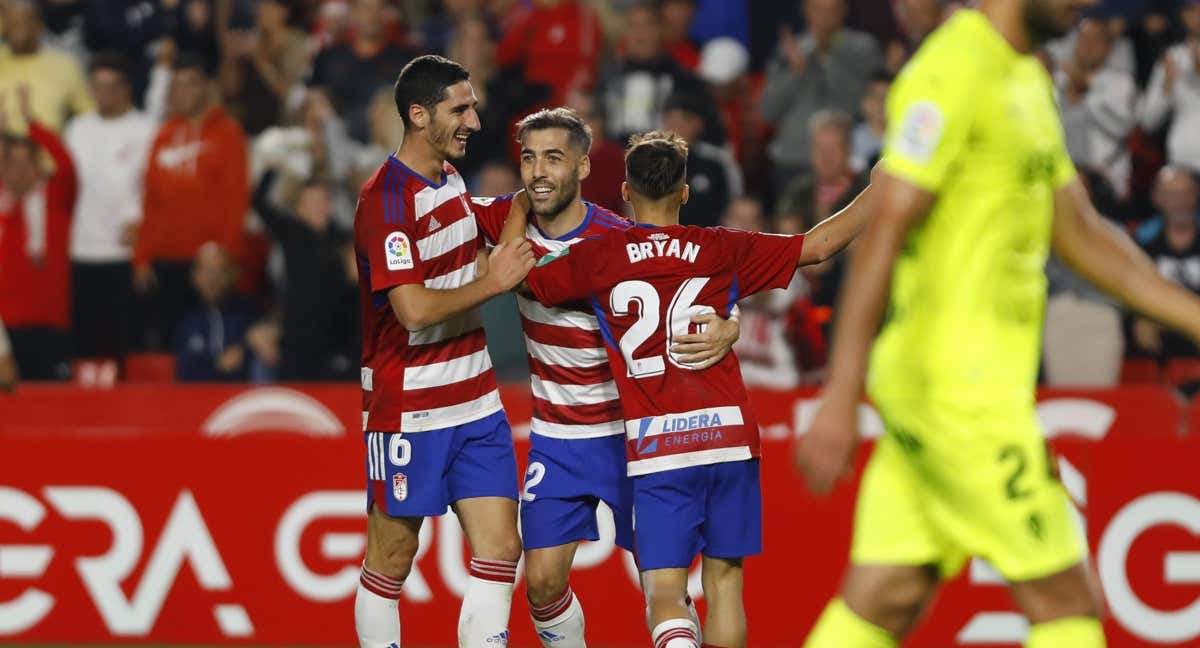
[314, 344]
[830, 186]
[1151, 34]
[556, 43]
[603, 184]
[1174, 90]
[195, 191]
[916, 20]
[8, 366]
[776, 346]
[109, 147]
[35, 222]
[724, 63]
[194, 29]
[867, 138]
[262, 67]
[677, 17]
[440, 28]
[132, 27]
[1120, 56]
[497, 178]
[210, 340]
[1097, 106]
[58, 88]
[636, 88]
[828, 66]
[713, 176]
[1175, 249]
[352, 72]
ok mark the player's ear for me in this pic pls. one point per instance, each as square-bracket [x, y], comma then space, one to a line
[418, 116]
[585, 167]
[625, 191]
[684, 194]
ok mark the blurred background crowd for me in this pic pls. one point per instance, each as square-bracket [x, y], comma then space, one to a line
[178, 177]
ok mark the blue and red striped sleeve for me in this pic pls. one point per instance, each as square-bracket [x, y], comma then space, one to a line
[390, 233]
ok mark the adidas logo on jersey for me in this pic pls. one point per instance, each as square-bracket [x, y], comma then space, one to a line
[498, 639]
[550, 636]
[433, 223]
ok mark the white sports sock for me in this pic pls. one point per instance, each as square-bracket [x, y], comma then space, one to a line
[483, 620]
[560, 624]
[376, 610]
[675, 633]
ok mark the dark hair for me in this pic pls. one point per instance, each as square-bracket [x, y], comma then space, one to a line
[656, 163]
[424, 81]
[578, 131]
[189, 60]
[688, 102]
[110, 60]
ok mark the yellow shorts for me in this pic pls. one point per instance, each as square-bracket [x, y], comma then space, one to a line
[942, 487]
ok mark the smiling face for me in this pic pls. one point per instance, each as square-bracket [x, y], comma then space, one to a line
[453, 121]
[551, 170]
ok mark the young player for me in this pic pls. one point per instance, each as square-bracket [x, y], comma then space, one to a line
[976, 187]
[577, 440]
[435, 432]
[691, 440]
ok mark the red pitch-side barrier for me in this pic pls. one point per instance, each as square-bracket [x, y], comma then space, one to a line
[222, 515]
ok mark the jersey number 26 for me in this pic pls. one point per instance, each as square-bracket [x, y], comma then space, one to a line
[679, 316]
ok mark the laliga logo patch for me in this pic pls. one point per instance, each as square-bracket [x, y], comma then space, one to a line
[920, 131]
[400, 487]
[398, 251]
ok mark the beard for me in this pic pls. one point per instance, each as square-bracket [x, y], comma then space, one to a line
[444, 143]
[565, 198]
[1044, 22]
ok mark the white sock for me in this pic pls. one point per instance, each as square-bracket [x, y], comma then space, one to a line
[376, 610]
[483, 620]
[560, 624]
[675, 633]
[695, 615]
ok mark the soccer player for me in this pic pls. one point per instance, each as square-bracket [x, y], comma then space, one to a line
[577, 453]
[976, 188]
[435, 431]
[691, 440]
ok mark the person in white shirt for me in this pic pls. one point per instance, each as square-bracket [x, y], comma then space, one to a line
[109, 147]
[1097, 106]
[1174, 90]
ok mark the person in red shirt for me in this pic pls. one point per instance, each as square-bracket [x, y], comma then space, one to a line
[35, 270]
[558, 43]
[196, 191]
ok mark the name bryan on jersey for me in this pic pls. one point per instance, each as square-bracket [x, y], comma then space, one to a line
[665, 247]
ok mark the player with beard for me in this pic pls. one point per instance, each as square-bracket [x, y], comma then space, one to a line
[435, 431]
[976, 188]
[577, 453]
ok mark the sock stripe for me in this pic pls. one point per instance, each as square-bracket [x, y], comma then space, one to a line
[548, 612]
[497, 571]
[379, 584]
[674, 633]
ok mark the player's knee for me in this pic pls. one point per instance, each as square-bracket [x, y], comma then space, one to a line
[394, 558]
[500, 546]
[891, 599]
[544, 584]
[1072, 593]
[722, 580]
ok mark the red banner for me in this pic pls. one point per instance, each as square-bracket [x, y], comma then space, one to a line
[210, 515]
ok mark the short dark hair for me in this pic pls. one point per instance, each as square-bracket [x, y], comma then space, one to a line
[579, 133]
[110, 60]
[424, 81]
[656, 163]
[189, 60]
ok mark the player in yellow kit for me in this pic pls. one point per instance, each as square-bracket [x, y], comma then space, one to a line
[976, 188]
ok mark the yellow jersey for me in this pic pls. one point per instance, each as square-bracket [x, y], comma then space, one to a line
[975, 123]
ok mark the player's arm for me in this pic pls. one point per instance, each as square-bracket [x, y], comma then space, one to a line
[517, 219]
[833, 234]
[417, 307]
[1103, 255]
[827, 448]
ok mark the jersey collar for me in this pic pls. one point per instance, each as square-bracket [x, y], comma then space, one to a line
[392, 159]
[587, 220]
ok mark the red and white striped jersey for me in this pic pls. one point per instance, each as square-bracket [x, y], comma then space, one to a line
[646, 284]
[409, 229]
[574, 396]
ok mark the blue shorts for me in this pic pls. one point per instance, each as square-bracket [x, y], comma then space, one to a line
[565, 480]
[420, 474]
[715, 510]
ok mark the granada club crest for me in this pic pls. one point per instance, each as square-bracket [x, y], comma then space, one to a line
[400, 487]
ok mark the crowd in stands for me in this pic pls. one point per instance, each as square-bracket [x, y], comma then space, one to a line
[179, 176]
